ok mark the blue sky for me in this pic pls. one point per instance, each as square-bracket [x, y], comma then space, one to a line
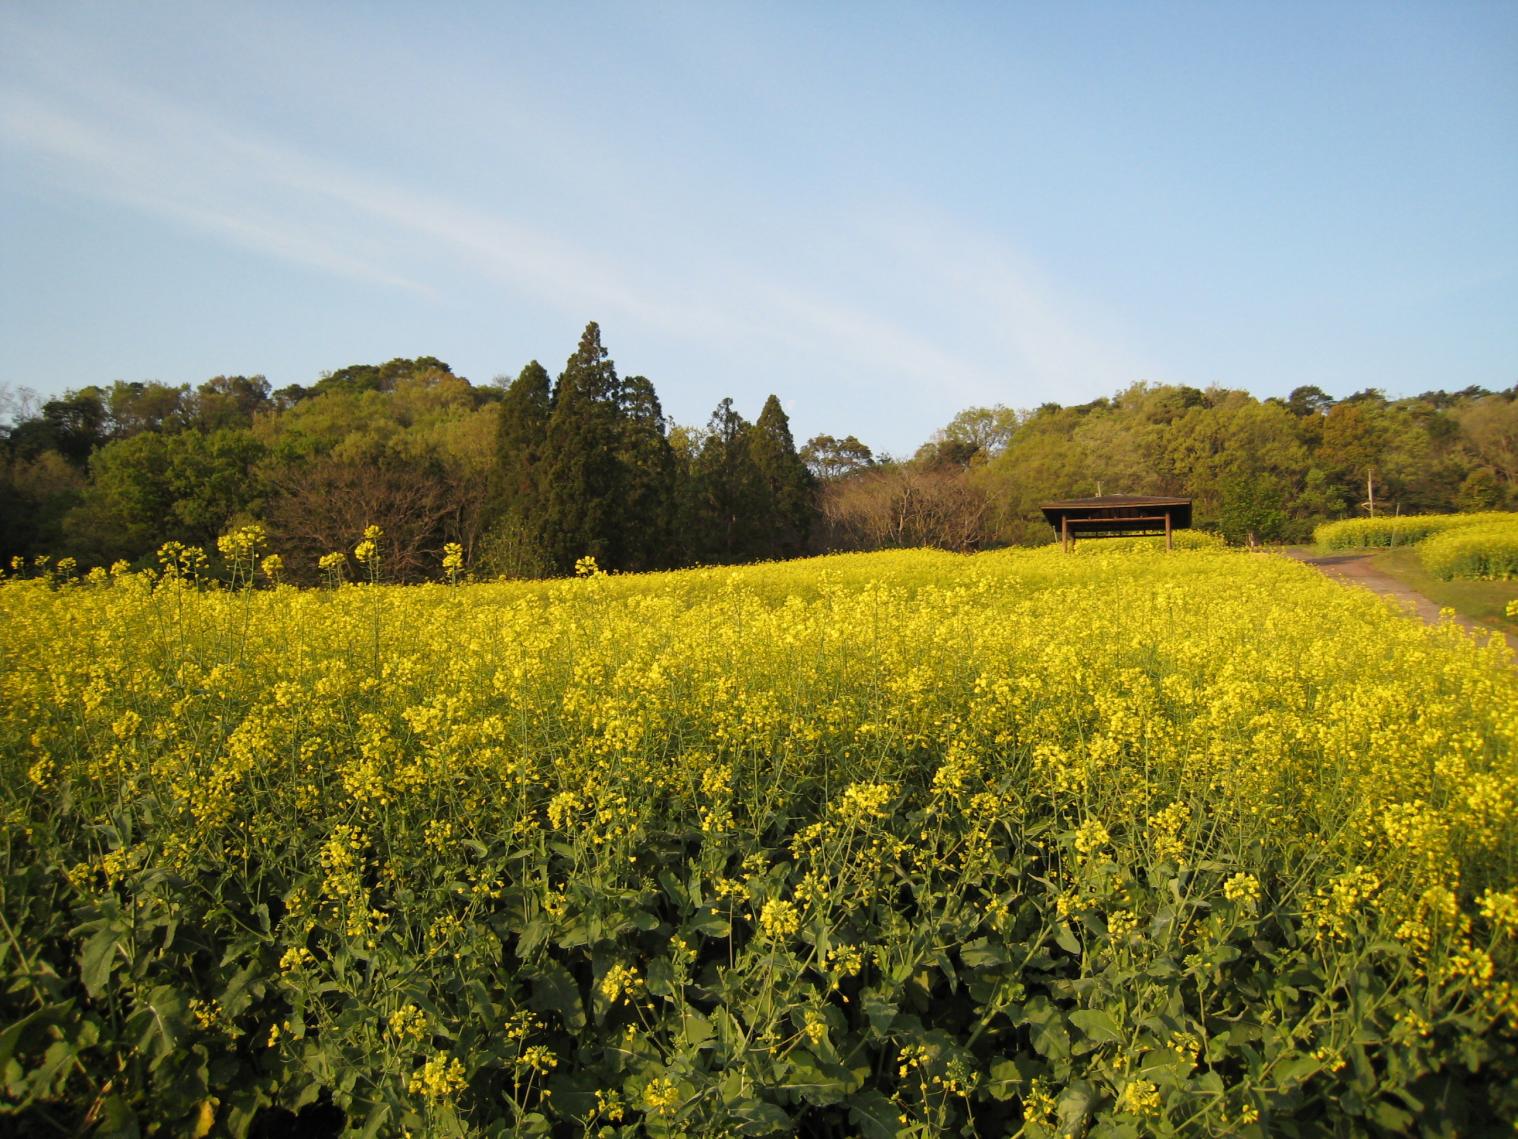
[883, 213]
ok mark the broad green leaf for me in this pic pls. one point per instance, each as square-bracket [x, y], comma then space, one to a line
[981, 952]
[881, 1013]
[1065, 938]
[1097, 1025]
[695, 1030]
[554, 990]
[96, 960]
[117, 1120]
[874, 1115]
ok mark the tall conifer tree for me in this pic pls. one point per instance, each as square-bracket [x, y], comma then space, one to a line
[516, 487]
[649, 481]
[729, 496]
[791, 489]
[520, 442]
[582, 475]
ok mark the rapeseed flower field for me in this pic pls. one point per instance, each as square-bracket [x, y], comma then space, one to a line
[897, 844]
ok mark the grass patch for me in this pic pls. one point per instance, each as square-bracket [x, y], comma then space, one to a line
[1483, 601]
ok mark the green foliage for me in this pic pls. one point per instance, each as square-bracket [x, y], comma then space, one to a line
[829, 458]
[650, 482]
[1480, 491]
[1253, 509]
[517, 489]
[358, 378]
[791, 489]
[730, 506]
[581, 475]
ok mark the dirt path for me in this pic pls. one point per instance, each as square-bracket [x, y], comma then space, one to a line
[1356, 569]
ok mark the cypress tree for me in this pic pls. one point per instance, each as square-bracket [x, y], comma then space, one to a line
[649, 481]
[730, 497]
[791, 492]
[582, 476]
[521, 436]
[516, 482]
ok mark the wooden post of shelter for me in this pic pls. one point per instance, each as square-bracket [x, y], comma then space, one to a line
[1117, 516]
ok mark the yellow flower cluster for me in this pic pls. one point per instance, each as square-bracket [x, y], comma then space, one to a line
[440, 1078]
[779, 919]
[618, 981]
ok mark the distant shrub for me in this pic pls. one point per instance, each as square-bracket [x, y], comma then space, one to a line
[1488, 551]
[1403, 530]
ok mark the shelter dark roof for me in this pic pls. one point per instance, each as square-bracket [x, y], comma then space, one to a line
[1108, 500]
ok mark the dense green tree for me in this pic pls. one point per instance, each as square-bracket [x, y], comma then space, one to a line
[650, 482]
[127, 511]
[148, 488]
[729, 501]
[230, 401]
[151, 406]
[516, 508]
[975, 433]
[1253, 509]
[74, 424]
[378, 377]
[582, 481]
[36, 495]
[1489, 435]
[1309, 399]
[830, 458]
[791, 495]
[1481, 490]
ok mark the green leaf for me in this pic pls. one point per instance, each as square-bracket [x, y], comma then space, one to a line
[1009, 1077]
[710, 923]
[874, 1115]
[817, 1081]
[981, 952]
[1073, 1107]
[117, 1120]
[1391, 1117]
[880, 1012]
[1297, 1070]
[554, 990]
[96, 960]
[1097, 1025]
[695, 1030]
[757, 1117]
[379, 1115]
[1051, 1039]
[1065, 938]
[660, 977]
[534, 934]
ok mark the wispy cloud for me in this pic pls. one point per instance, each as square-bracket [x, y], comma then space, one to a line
[1043, 339]
[176, 179]
[102, 136]
[113, 141]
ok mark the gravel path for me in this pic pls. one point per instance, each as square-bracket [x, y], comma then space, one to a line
[1356, 569]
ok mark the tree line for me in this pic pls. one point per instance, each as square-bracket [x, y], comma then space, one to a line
[1258, 470]
[528, 475]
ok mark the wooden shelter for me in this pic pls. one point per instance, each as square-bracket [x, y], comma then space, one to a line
[1117, 516]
